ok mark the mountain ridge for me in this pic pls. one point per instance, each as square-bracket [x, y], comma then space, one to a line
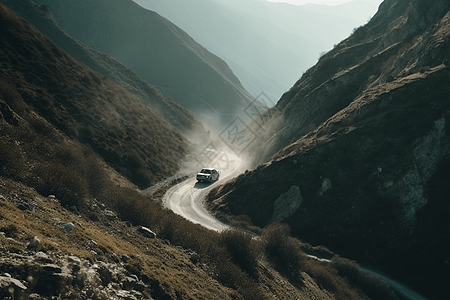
[42, 19]
[268, 45]
[364, 135]
[167, 57]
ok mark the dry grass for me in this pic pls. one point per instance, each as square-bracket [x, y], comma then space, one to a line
[46, 115]
[84, 105]
[162, 265]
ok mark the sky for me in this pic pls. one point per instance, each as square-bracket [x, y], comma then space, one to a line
[326, 2]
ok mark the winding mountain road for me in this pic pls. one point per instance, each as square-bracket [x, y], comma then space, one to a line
[186, 198]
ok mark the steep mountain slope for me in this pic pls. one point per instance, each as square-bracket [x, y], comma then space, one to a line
[84, 105]
[159, 52]
[268, 45]
[365, 146]
[72, 228]
[43, 20]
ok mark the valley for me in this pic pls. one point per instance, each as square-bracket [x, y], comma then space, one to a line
[108, 110]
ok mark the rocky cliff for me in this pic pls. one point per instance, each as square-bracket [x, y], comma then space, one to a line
[365, 136]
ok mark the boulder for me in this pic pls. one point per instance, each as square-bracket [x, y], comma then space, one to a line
[10, 287]
[69, 226]
[287, 204]
[146, 232]
[326, 185]
[34, 244]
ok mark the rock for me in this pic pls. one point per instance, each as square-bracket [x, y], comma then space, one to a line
[147, 232]
[12, 287]
[105, 274]
[287, 204]
[52, 198]
[74, 260]
[326, 185]
[91, 245]
[74, 209]
[51, 268]
[74, 263]
[109, 213]
[34, 244]
[42, 257]
[68, 226]
[129, 283]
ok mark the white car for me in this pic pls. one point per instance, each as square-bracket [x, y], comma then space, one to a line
[208, 174]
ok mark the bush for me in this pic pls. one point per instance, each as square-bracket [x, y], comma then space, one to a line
[68, 185]
[12, 162]
[283, 248]
[327, 277]
[232, 276]
[243, 248]
[374, 287]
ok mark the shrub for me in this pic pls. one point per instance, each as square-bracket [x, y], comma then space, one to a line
[229, 274]
[243, 248]
[67, 184]
[12, 163]
[283, 248]
[373, 286]
[10, 231]
[328, 278]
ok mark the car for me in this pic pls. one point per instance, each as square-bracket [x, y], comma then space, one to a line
[208, 174]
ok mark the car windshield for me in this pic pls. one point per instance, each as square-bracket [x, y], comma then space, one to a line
[204, 171]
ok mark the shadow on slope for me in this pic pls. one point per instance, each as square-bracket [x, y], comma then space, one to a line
[84, 105]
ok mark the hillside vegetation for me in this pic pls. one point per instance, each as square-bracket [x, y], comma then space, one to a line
[363, 137]
[71, 225]
[178, 115]
[87, 107]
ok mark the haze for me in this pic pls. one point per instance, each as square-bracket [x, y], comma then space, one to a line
[324, 2]
[267, 45]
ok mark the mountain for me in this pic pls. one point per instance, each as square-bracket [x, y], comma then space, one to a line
[89, 108]
[180, 117]
[158, 51]
[356, 154]
[267, 45]
[72, 227]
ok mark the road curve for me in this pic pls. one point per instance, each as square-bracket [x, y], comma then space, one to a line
[187, 197]
[187, 200]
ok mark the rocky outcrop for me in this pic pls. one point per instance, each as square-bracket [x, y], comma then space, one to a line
[49, 276]
[386, 48]
[287, 204]
[373, 118]
[411, 187]
[10, 287]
